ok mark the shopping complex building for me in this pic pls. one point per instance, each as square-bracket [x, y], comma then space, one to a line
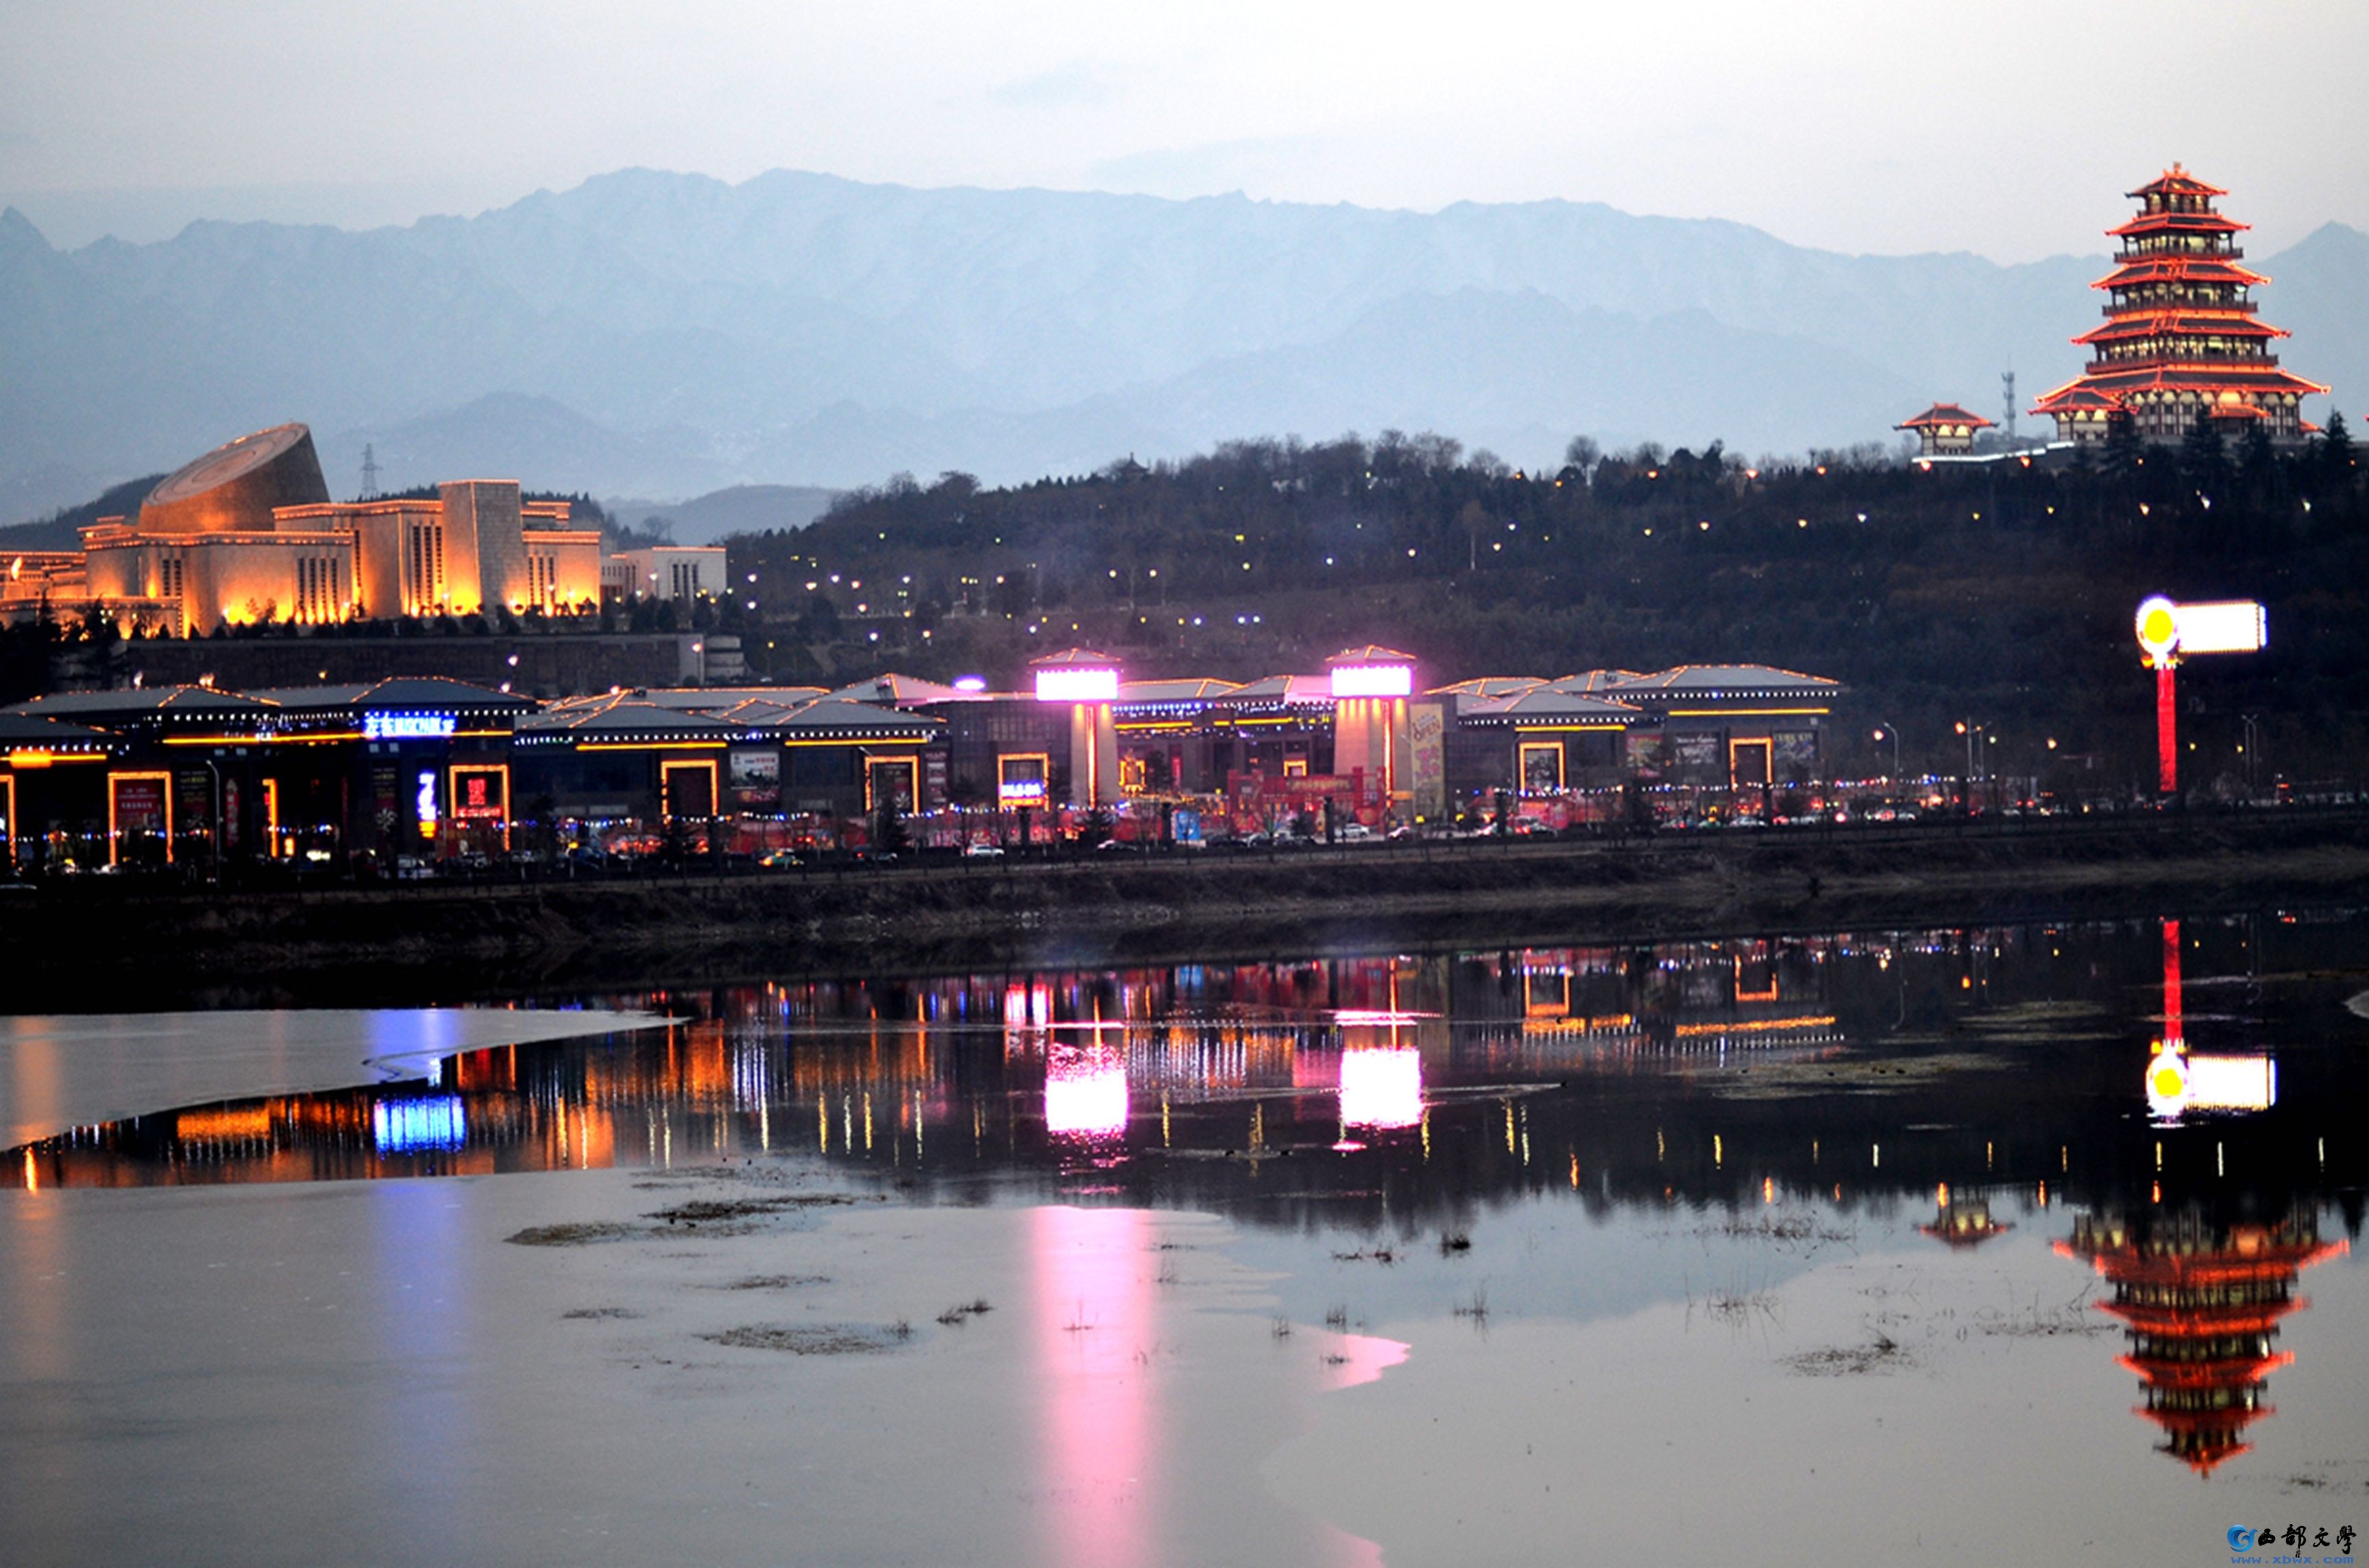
[423, 768]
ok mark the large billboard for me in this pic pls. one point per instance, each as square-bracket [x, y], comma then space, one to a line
[754, 775]
[1427, 775]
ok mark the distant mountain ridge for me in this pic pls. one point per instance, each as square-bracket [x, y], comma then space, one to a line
[660, 335]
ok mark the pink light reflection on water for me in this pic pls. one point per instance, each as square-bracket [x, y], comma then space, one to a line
[1362, 1358]
[1085, 1092]
[1094, 1329]
[1381, 1088]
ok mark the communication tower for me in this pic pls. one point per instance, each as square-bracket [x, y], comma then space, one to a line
[2007, 381]
[370, 462]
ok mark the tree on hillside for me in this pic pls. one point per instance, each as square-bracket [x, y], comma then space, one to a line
[2335, 451]
[2204, 461]
[2125, 453]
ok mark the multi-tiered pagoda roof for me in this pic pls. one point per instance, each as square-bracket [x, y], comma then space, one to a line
[2181, 344]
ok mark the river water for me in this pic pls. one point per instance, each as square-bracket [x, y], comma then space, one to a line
[2015, 1244]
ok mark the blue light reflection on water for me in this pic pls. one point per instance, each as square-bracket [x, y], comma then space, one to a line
[410, 1127]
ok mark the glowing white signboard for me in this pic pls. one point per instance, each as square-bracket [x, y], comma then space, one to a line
[2236, 625]
[407, 726]
[1077, 683]
[1372, 680]
[425, 802]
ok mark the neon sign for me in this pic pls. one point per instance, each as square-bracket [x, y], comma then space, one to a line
[425, 802]
[407, 726]
[1372, 680]
[1077, 683]
[1021, 780]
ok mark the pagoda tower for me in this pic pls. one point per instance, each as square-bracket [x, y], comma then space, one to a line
[2201, 1305]
[2181, 342]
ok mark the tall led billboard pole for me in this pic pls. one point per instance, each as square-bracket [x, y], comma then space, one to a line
[1088, 681]
[2169, 633]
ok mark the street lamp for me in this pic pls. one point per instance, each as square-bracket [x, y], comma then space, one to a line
[1968, 728]
[1893, 731]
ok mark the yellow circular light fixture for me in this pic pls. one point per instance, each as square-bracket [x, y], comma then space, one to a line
[2157, 626]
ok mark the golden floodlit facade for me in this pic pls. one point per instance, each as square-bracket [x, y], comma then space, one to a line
[248, 534]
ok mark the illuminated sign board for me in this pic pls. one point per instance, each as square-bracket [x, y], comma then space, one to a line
[406, 1126]
[970, 682]
[1373, 680]
[1077, 683]
[407, 726]
[424, 802]
[1021, 780]
[2226, 626]
[480, 794]
[2235, 627]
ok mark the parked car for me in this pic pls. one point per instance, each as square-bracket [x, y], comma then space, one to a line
[982, 851]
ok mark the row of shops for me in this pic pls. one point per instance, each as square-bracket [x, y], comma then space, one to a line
[421, 769]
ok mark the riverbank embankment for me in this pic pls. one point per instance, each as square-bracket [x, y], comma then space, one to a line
[117, 944]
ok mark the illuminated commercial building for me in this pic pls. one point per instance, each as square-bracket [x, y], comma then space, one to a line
[2181, 344]
[1365, 737]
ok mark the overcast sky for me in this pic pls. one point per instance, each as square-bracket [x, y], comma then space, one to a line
[2009, 128]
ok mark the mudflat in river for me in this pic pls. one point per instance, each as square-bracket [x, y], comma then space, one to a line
[2013, 1244]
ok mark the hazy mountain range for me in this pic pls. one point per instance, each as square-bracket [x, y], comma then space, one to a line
[665, 335]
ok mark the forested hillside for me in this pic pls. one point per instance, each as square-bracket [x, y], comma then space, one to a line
[1997, 594]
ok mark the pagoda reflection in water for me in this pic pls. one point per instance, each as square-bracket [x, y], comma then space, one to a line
[2201, 1303]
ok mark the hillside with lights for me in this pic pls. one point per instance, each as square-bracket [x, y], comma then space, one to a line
[1999, 593]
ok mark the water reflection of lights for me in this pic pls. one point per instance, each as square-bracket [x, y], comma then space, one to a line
[406, 1126]
[1357, 1358]
[2201, 1306]
[1381, 1088]
[1085, 1092]
[1094, 1316]
[2177, 1082]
